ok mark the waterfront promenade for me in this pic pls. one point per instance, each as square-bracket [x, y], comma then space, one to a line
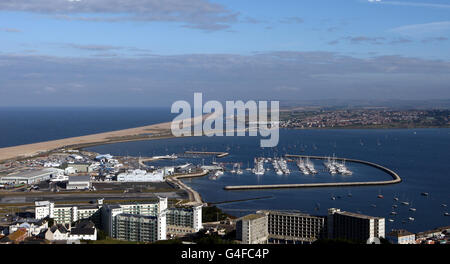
[395, 178]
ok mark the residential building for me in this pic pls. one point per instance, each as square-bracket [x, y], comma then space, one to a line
[142, 228]
[16, 237]
[252, 229]
[355, 227]
[294, 227]
[84, 230]
[145, 222]
[57, 232]
[33, 226]
[184, 220]
[66, 214]
[401, 236]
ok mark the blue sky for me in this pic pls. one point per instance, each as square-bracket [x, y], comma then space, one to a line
[232, 36]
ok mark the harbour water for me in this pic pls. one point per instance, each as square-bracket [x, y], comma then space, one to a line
[419, 156]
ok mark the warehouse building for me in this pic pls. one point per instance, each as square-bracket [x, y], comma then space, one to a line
[31, 176]
[79, 182]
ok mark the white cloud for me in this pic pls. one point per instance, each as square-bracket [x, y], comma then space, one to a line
[411, 4]
[423, 29]
[201, 14]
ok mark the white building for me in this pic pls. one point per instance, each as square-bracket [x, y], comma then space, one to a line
[141, 176]
[401, 237]
[65, 214]
[59, 178]
[85, 230]
[352, 226]
[127, 221]
[252, 229]
[42, 209]
[57, 232]
[70, 170]
[79, 182]
[31, 176]
[184, 220]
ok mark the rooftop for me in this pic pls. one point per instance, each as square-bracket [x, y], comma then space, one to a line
[31, 173]
[252, 217]
[357, 215]
[400, 232]
[285, 213]
[83, 178]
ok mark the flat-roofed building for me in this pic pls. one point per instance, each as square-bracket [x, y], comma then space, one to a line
[82, 182]
[184, 220]
[252, 229]
[294, 227]
[144, 222]
[401, 236]
[141, 176]
[141, 228]
[353, 226]
[66, 214]
[31, 176]
[80, 167]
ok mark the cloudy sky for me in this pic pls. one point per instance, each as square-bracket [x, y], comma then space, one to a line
[153, 52]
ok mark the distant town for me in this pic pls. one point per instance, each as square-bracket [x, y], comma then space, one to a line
[307, 118]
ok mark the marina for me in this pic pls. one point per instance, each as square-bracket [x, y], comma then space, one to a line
[244, 150]
[395, 177]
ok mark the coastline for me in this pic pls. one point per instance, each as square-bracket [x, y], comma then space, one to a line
[149, 132]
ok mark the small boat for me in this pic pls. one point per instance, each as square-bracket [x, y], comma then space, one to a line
[443, 205]
[391, 220]
[424, 194]
[405, 203]
[349, 194]
[395, 198]
[394, 206]
[446, 214]
[394, 213]
[380, 196]
[333, 198]
[411, 218]
[373, 205]
[412, 209]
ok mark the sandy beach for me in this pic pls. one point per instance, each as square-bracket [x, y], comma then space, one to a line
[161, 130]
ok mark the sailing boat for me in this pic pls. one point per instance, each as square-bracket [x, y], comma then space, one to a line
[380, 196]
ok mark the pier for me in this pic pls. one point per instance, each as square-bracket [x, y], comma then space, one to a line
[395, 178]
[217, 154]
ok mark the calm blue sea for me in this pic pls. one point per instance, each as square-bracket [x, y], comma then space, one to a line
[35, 124]
[420, 156]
